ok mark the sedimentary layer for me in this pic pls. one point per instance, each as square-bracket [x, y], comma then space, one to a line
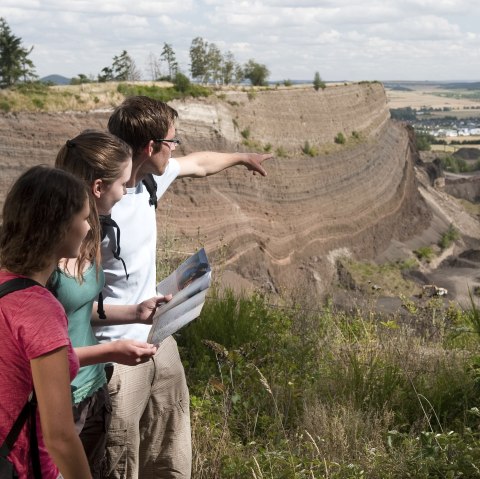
[280, 231]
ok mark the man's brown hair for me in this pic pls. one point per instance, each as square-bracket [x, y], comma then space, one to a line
[140, 119]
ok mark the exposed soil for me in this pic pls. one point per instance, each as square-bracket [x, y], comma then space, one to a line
[365, 199]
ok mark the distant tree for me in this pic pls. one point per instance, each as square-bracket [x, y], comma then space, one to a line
[153, 66]
[403, 114]
[168, 56]
[106, 75]
[231, 70]
[214, 63]
[123, 68]
[256, 73]
[423, 141]
[198, 59]
[318, 82]
[80, 79]
[14, 62]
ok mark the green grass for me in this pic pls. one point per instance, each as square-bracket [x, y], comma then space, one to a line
[388, 277]
[449, 237]
[281, 392]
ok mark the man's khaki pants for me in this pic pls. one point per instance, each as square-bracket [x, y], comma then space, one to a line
[149, 435]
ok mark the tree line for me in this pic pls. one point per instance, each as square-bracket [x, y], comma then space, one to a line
[208, 64]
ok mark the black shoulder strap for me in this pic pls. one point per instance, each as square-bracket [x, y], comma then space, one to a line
[151, 185]
[16, 284]
[30, 408]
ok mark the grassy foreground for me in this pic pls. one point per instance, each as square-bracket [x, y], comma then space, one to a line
[318, 393]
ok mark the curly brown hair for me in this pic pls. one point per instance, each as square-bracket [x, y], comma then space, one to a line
[37, 213]
[90, 156]
[139, 119]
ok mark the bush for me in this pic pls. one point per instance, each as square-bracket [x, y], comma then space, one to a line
[288, 393]
[423, 141]
[340, 139]
[245, 133]
[165, 94]
[424, 253]
[449, 237]
[181, 82]
[5, 106]
[309, 149]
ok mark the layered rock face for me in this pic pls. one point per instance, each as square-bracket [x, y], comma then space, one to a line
[283, 231]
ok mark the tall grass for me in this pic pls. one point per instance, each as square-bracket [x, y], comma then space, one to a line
[291, 393]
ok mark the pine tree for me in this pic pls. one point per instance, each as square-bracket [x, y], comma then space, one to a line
[317, 82]
[14, 62]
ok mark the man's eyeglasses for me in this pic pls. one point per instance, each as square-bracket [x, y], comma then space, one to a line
[174, 141]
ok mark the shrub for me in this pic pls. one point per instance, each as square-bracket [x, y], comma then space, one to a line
[309, 149]
[5, 106]
[287, 82]
[424, 253]
[355, 135]
[281, 152]
[245, 133]
[340, 138]
[449, 237]
[181, 82]
[164, 94]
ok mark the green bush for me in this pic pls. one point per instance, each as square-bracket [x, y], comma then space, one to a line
[309, 150]
[340, 138]
[424, 253]
[182, 90]
[5, 106]
[245, 133]
[299, 392]
[449, 237]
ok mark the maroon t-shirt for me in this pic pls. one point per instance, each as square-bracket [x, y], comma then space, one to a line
[32, 323]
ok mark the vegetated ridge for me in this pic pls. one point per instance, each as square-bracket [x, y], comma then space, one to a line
[282, 232]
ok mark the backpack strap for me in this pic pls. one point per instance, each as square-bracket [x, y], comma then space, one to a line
[151, 185]
[30, 408]
[106, 221]
[17, 284]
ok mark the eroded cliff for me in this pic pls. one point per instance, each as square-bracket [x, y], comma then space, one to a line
[279, 232]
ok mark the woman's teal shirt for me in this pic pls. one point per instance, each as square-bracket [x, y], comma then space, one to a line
[77, 299]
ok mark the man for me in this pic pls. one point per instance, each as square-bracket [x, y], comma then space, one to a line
[149, 435]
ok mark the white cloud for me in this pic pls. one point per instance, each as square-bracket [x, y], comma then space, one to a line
[346, 39]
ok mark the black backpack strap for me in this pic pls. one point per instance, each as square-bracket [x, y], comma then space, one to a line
[16, 284]
[37, 470]
[106, 221]
[151, 185]
[30, 408]
[15, 431]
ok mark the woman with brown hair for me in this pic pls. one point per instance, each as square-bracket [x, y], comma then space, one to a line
[103, 162]
[45, 218]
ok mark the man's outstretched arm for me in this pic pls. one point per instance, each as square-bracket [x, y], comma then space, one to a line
[207, 163]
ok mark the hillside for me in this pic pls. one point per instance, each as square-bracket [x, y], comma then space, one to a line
[282, 232]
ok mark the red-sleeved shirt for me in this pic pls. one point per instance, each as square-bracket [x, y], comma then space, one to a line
[32, 323]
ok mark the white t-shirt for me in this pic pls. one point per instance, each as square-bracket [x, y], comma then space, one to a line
[138, 245]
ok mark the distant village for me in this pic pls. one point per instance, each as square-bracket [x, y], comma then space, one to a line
[447, 126]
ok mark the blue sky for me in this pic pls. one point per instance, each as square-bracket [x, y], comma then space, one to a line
[343, 40]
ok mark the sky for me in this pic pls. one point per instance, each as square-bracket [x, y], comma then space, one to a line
[344, 40]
